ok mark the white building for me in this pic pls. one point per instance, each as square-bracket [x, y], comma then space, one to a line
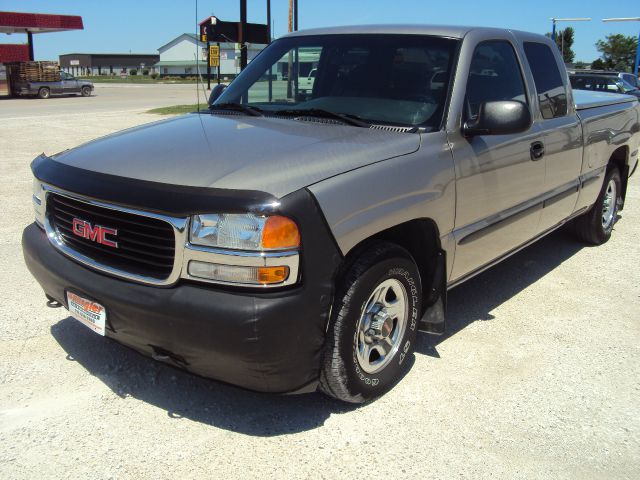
[178, 57]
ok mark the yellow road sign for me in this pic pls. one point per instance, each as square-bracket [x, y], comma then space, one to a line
[214, 56]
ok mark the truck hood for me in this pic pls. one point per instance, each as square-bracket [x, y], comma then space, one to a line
[273, 155]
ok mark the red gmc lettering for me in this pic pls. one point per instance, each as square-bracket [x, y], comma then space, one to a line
[95, 233]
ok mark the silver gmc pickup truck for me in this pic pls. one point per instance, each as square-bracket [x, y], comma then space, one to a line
[288, 241]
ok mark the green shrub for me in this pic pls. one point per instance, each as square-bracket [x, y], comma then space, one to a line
[145, 71]
[154, 75]
[133, 71]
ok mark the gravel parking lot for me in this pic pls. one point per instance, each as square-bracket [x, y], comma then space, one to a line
[538, 375]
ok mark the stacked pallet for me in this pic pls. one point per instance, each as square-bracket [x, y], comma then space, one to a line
[38, 72]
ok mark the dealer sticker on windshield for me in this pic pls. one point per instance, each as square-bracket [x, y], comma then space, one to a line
[90, 313]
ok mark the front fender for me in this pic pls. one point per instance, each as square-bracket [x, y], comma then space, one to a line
[364, 201]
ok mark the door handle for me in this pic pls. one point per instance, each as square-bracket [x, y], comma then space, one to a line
[537, 151]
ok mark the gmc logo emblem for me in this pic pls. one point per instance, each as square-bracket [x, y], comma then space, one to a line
[95, 233]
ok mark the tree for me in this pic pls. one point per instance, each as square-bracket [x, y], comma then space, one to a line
[581, 65]
[598, 64]
[618, 51]
[564, 40]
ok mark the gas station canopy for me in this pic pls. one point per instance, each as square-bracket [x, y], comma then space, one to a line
[30, 23]
[17, 22]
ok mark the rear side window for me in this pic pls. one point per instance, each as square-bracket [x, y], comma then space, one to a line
[552, 94]
[495, 75]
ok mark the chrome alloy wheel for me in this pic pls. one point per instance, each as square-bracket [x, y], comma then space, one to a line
[382, 325]
[609, 204]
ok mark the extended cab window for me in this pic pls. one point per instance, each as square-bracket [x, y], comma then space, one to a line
[494, 76]
[552, 94]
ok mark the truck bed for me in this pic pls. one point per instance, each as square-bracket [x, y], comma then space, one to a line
[586, 99]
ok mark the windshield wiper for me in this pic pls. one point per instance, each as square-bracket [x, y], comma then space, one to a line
[321, 113]
[237, 107]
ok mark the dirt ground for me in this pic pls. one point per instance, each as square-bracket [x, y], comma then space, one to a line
[538, 375]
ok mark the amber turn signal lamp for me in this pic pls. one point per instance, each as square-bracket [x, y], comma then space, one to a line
[269, 275]
[280, 232]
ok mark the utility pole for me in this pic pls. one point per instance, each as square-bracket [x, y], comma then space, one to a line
[269, 20]
[269, 40]
[629, 19]
[243, 33]
[290, 66]
[290, 15]
[296, 76]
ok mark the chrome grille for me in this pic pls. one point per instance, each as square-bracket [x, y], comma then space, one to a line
[146, 245]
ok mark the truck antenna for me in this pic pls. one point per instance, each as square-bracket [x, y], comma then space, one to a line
[197, 63]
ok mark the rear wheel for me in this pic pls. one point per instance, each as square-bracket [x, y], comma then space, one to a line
[44, 92]
[596, 225]
[373, 326]
[85, 91]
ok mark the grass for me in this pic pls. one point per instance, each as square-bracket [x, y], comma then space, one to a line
[144, 79]
[178, 109]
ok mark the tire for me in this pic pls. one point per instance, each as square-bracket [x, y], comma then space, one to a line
[85, 91]
[376, 310]
[44, 92]
[595, 226]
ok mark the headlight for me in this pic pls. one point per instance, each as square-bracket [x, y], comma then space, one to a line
[243, 249]
[37, 197]
[244, 232]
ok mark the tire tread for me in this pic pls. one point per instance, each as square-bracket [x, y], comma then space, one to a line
[333, 374]
[588, 227]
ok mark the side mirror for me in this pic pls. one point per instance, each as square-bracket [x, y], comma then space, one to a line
[216, 92]
[499, 118]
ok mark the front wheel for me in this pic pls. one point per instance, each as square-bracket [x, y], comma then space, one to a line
[85, 91]
[374, 325]
[596, 225]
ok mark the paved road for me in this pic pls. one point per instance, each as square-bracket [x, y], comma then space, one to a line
[537, 377]
[106, 98]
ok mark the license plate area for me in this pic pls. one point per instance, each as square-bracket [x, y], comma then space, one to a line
[86, 311]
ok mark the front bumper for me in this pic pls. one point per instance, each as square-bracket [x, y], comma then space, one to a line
[269, 342]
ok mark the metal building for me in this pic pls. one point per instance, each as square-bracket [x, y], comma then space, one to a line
[107, 63]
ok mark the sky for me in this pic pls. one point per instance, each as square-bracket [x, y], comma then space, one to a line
[141, 26]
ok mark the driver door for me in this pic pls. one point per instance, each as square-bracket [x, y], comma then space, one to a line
[69, 83]
[497, 178]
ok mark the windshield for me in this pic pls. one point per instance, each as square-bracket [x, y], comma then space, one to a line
[386, 79]
[626, 87]
[630, 79]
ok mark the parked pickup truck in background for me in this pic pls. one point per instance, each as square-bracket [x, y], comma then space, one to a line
[602, 83]
[284, 241]
[305, 84]
[67, 84]
[629, 78]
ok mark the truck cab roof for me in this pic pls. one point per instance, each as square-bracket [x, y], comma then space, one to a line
[451, 31]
